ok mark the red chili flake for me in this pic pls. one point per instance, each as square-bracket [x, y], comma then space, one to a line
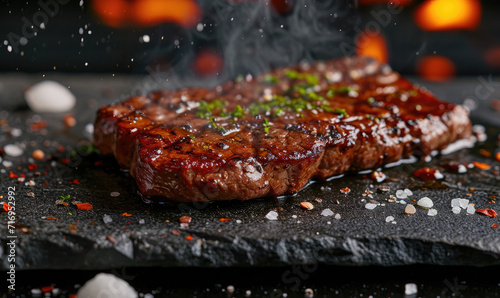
[46, 184]
[126, 214]
[426, 174]
[65, 160]
[76, 181]
[494, 226]
[484, 152]
[176, 232]
[51, 217]
[497, 156]
[488, 212]
[6, 207]
[12, 175]
[189, 237]
[110, 238]
[185, 219]
[223, 219]
[345, 190]
[84, 206]
[481, 165]
[23, 176]
[60, 149]
[32, 167]
[38, 125]
[47, 289]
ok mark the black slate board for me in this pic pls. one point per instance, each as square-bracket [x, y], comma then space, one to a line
[360, 237]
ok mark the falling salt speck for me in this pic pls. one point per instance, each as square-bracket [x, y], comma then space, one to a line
[432, 212]
[89, 128]
[42, 26]
[425, 202]
[23, 41]
[389, 218]
[144, 39]
[114, 194]
[199, 27]
[471, 209]
[80, 30]
[272, 215]
[456, 210]
[9, 48]
[86, 64]
[401, 194]
[370, 206]
[7, 163]
[13, 150]
[107, 219]
[16, 132]
[327, 212]
[36, 292]
[462, 169]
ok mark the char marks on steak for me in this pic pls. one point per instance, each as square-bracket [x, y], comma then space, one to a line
[270, 135]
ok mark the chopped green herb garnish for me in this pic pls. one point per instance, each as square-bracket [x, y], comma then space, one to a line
[311, 79]
[238, 112]
[206, 110]
[266, 126]
[341, 112]
[330, 93]
[269, 78]
[64, 198]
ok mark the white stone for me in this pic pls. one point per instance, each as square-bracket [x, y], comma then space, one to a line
[425, 202]
[327, 212]
[411, 289]
[272, 215]
[432, 212]
[49, 96]
[106, 285]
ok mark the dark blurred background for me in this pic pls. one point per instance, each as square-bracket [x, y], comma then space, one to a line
[436, 39]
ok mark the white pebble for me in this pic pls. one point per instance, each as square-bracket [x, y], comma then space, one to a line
[370, 206]
[107, 219]
[456, 210]
[327, 212]
[408, 192]
[13, 150]
[432, 212]
[294, 216]
[425, 202]
[272, 215]
[410, 289]
[471, 209]
[109, 284]
[464, 203]
[49, 96]
[401, 194]
[338, 216]
[389, 218]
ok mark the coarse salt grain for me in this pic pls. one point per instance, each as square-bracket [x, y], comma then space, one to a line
[107, 219]
[400, 194]
[370, 206]
[327, 212]
[114, 194]
[13, 150]
[471, 209]
[455, 203]
[272, 215]
[425, 202]
[438, 175]
[411, 289]
[456, 210]
[389, 218]
[338, 216]
[463, 203]
[410, 209]
[408, 192]
[432, 212]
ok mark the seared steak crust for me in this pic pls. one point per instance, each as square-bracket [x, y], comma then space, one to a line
[270, 135]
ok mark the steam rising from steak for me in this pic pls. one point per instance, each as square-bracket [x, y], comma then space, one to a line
[270, 135]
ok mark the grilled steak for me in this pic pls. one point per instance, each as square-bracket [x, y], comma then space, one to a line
[270, 135]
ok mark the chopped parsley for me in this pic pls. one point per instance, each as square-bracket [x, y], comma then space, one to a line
[269, 78]
[266, 126]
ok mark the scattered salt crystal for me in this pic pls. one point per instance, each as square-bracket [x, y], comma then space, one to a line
[230, 289]
[464, 203]
[462, 169]
[408, 192]
[370, 206]
[425, 202]
[106, 283]
[432, 212]
[402, 202]
[49, 96]
[13, 150]
[272, 215]
[389, 218]
[114, 194]
[410, 209]
[393, 222]
[471, 209]
[294, 216]
[401, 194]
[16, 132]
[456, 210]
[7, 163]
[410, 289]
[238, 221]
[438, 175]
[455, 203]
[107, 219]
[338, 216]
[327, 212]
[142, 221]
[328, 222]
[89, 128]
[36, 292]
[325, 188]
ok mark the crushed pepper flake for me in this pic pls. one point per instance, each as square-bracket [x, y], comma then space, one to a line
[345, 190]
[485, 153]
[185, 219]
[126, 214]
[6, 206]
[224, 219]
[481, 165]
[84, 206]
[32, 167]
[487, 211]
[12, 175]
[307, 205]
[189, 237]
[176, 232]
[494, 226]
[110, 238]
[49, 217]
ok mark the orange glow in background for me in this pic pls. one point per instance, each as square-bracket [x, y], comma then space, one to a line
[436, 68]
[120, 13]
[207, 63]
[438, 15]
[371, 45]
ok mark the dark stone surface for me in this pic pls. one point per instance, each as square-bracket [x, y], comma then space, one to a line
[361, 237]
